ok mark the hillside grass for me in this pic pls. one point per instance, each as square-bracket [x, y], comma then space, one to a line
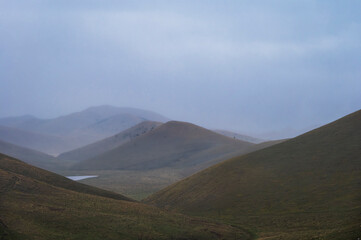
[34, 206]
[304, 188]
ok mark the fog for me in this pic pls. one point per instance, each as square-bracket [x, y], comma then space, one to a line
[266, 68]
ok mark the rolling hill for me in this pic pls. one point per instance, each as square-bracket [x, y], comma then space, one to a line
[78, 129]
[307, 187]
[32, 157]
[36, 204]
[102, 146]
[173, 144]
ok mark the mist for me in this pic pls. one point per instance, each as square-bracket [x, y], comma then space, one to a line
[270, 69]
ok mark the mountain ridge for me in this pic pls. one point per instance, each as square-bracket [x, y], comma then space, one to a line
[171, 144]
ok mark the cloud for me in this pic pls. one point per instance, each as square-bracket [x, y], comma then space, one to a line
[258, 66]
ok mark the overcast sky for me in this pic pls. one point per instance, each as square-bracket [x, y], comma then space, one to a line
[267, 68]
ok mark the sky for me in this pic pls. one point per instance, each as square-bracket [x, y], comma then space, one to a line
[267, 68]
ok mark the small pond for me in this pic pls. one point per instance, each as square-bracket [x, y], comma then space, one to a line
[78, 178]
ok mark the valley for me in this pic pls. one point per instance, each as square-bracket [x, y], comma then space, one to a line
[180, 120]
[277, 189]
[36, 204]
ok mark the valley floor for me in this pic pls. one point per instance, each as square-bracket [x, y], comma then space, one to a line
[134, 184]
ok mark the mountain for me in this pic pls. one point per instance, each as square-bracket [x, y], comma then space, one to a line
[32, 157]
[307, 187]
[91, 118]
[173, 144]
[81, 128]
[36, 204]
[24, 120]
[239, 136]
[97, 148]
[37, 141]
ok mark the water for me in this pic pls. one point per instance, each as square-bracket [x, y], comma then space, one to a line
[78, 178]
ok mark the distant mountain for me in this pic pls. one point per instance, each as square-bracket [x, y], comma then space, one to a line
[93, 117]
[82, 128]
[37, 204]
[239, 136]
[25, 120]
[32, 157]
[173, 144]
[102, 146]
[37, 141]
[307, 187]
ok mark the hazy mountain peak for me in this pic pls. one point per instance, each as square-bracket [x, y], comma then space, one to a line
[81, 128]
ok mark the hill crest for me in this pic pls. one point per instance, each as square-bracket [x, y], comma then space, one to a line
[171, 144]
[107, 144]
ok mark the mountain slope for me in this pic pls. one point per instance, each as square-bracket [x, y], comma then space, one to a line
[239, 136]
[36, 204]
[32, 157]
[306, 187]
[173, 144]
[40, 142]
[97, 148]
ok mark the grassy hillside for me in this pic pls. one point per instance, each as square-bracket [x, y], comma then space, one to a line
[304, 188]
[36, 204]
[173, 144]
[14, 166]
[32, 157]
[97, 148]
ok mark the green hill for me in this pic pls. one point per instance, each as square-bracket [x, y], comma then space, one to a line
[36, 204]
[308, 187]
[173, 144]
